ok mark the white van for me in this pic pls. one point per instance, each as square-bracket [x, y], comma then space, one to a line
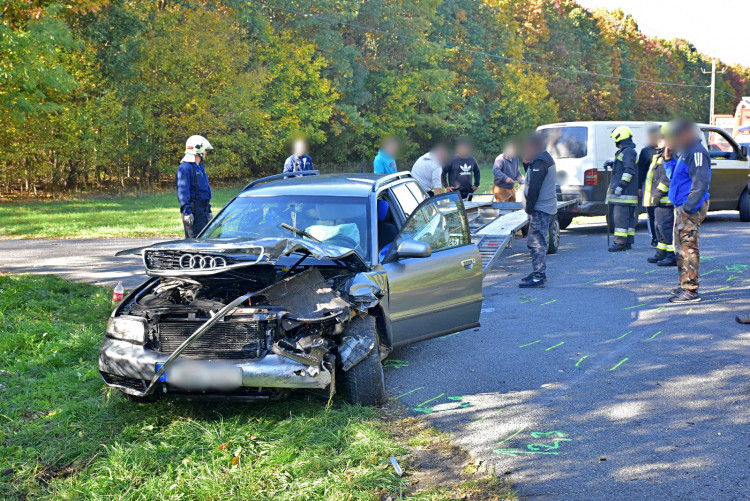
[581, 148]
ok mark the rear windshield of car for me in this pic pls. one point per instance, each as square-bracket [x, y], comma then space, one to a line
[332, 220]
[566, 142]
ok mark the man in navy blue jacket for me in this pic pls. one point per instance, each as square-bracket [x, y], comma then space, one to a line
[688, 191]
[299, 159]
[193, 189]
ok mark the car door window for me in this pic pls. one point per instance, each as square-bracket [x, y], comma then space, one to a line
[720, 145]
[438, 221]
[405, 198]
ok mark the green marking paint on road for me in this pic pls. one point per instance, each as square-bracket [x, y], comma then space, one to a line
[649, 272]
[689, 311]
[458, 399]
[514, 452]
[450, 335]
[395, 364]
[618, 364]
[516, 433]
[430, 400]
[581, 360]
[553, 347]
[748, 280]
[731, 277]
[408, 392]
[624, 335]
[630, 269]
[487, 416]
[709, 272]
[548, 302]
[724, 288]
[526, 299]
[529, 344]
[737, 267]
[634, 307]
[660, 308]
[652, 337]
[707, 258]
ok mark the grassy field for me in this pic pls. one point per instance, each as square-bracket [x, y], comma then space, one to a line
[149, 215]
[63, 435]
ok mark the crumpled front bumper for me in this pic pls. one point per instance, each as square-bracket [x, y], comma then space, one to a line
[131, 362]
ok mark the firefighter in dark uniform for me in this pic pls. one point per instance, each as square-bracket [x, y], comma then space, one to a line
[622, 195]
[193, 189]
[655, 197]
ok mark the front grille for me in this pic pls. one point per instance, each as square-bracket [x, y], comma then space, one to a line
[159, 259]
[124, 381]
[162, 260]
[224, 340]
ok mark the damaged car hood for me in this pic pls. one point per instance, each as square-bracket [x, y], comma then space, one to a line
[203, 257]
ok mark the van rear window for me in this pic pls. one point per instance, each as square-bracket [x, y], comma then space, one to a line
[566, 142]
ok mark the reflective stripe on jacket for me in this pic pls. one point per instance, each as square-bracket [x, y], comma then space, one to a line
[624, 175]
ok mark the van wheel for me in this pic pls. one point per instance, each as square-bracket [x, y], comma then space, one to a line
[364, 383]
[564, 220]
[553, 237]
[744, 206]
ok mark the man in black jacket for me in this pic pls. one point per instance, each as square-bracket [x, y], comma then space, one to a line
[645, 159]
[541, 206]
[457, 175]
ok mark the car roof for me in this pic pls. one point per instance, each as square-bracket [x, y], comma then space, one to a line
[348, 185]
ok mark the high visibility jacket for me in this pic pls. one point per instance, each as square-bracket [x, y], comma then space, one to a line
[624, 175]
[657, 182]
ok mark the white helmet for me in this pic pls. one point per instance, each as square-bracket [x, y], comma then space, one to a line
[196, 145]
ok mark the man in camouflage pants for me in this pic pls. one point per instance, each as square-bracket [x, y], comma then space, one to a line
[688, 191]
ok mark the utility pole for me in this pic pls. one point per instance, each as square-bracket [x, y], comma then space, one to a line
[713, 87]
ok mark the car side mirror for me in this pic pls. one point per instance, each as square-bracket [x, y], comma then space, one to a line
[413, 248]
[743, 151]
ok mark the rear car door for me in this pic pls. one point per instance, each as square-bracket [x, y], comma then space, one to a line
[442, 293]
[729, 169]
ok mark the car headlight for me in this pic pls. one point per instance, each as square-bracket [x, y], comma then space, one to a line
[126, 328]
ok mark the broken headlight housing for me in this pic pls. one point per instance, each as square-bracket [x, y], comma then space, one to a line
[126, 328]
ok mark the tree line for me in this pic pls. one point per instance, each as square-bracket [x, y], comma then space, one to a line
[96, 94]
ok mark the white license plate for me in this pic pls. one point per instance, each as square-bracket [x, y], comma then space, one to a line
[193, 375]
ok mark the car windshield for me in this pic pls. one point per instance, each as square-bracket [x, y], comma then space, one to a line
[566, 142]
[337, 221]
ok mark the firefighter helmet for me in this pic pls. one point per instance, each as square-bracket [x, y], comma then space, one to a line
[621, 133]
[197, 145]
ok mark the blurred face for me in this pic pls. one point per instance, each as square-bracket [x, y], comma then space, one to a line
[300, 147]
[654, 138]
[463, 150]
[509, 150]
[390, 146]
[667, 153]
[441, 154]
[529, 151]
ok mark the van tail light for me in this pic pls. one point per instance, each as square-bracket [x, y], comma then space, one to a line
[591, 177]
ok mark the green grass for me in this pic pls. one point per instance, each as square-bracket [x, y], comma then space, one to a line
[63, 435]
[150, 215]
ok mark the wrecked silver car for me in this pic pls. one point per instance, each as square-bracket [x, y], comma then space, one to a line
[298, 282]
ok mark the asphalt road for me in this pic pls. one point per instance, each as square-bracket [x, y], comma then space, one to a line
[592, 388]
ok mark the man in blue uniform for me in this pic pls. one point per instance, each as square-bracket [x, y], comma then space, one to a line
[193, 189]
[299, 160]
[385, 160]
[688, 191]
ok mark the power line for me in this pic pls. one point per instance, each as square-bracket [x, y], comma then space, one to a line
[475, 51]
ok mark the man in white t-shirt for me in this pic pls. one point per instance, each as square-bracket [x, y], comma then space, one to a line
[428, 168]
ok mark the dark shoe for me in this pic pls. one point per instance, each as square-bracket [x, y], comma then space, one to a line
[617, 248]
[676, 291]
[532, 283]
[685, 296]
[660, 254]
[668, 261]
[743, 319]
[628, 246]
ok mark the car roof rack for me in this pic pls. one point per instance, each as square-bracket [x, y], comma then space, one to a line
[390, 178]
[284, 175]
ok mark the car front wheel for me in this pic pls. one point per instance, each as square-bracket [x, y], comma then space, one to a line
[364, 383]
[744, 206]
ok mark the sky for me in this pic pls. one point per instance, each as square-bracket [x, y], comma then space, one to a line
[718, 28]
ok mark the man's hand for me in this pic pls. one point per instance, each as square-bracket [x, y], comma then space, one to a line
[508, 180]
[448, 189]
[474, 188]
[521, 180]
[188, 219]
[608, 164]
[640, 193]
[618, 191]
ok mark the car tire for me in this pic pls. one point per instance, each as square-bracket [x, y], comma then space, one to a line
[565, 220]
[553, 237]
[364, 383]
[744, 206]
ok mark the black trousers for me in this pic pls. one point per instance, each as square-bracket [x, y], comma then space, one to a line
[624, 218]
[201, 215]
[664, 226]
[651, 211]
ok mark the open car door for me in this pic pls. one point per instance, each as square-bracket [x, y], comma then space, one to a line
[434, 272]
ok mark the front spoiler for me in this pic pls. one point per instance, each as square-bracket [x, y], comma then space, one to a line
[129, 360]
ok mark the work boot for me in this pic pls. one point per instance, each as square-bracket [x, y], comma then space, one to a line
[532, 282]
[617, 248]
[660, 254]
[743, 319]
[628, 246]
[669, 260]
[686, 296]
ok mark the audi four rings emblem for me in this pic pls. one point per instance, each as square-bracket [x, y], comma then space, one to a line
[198, 262]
